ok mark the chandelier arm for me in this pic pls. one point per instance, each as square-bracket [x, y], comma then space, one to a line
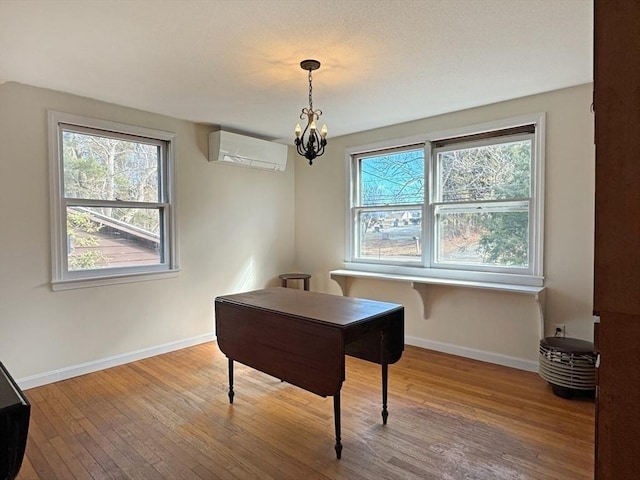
[300, 142]
[300, 150]
[320, 150]
[310, 114]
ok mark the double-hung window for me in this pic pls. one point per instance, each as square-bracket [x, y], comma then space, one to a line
[464, 204]
[111, 202]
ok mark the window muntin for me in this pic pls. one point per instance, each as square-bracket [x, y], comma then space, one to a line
[481, 216]
[111, 200]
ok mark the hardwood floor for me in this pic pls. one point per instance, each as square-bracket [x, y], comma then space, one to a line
[169, 417]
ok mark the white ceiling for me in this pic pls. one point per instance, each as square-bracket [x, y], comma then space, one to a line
[235, 63]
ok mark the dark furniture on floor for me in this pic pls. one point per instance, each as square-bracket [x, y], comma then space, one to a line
[617, 237]
[14, 425]
[302, 337]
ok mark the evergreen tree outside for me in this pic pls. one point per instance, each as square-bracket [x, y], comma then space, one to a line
[484, 193]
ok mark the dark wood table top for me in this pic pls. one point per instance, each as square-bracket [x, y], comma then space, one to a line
[331, 310]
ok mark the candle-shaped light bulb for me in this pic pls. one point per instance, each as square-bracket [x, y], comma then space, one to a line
[312, 127]
[298, 130]
[323, 131]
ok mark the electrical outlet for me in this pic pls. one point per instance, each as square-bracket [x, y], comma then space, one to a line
[559, 330]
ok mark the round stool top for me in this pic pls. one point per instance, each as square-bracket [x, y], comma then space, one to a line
[567, 345]
[294, 276]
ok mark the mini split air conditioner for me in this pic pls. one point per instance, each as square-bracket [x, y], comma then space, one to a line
[234, 149]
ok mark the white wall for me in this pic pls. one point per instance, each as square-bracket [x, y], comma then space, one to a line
[235, 228]
[236, 232]
[495, 326]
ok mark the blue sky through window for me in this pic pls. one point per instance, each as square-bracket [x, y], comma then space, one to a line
[392, 179]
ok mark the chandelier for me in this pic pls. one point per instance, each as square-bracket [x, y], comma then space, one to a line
[309, 143]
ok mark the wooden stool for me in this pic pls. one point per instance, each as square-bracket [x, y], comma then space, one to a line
[296, 276]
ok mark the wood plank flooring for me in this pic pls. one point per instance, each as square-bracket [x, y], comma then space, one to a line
[169, 417]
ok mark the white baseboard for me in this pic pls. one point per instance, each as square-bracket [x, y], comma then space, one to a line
[484, 356]
[108, 362]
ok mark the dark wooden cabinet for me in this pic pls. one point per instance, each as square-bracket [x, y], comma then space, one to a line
[617, 129]
[617, 237]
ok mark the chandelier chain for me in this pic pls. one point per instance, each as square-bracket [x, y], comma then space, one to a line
[310, 92]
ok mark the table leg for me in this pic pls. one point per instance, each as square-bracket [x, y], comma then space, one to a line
[385, 374]
[385, 377]
[336, 414]
[231, 394]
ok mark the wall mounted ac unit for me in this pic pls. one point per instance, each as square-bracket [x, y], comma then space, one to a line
[234, 149]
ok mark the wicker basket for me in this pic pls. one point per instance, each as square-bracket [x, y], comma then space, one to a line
[568, 364]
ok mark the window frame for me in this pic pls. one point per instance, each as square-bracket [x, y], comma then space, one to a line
[532, 276]
[62, 277]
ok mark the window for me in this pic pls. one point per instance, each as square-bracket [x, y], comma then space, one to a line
[464, 204]
[390, 198]
[111, 200]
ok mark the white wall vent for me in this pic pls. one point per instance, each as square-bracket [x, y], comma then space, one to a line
[234, 149]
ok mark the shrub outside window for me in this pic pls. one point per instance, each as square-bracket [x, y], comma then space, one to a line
[464, 204]
[111, 189]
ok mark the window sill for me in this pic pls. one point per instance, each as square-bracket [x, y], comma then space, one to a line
[420, 285]
[59, 285]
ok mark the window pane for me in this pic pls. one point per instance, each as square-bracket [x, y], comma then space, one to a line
[497, 236]
[101, 168]
[112, 237]
[392, 179]
[393, 235]
[489, 172]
